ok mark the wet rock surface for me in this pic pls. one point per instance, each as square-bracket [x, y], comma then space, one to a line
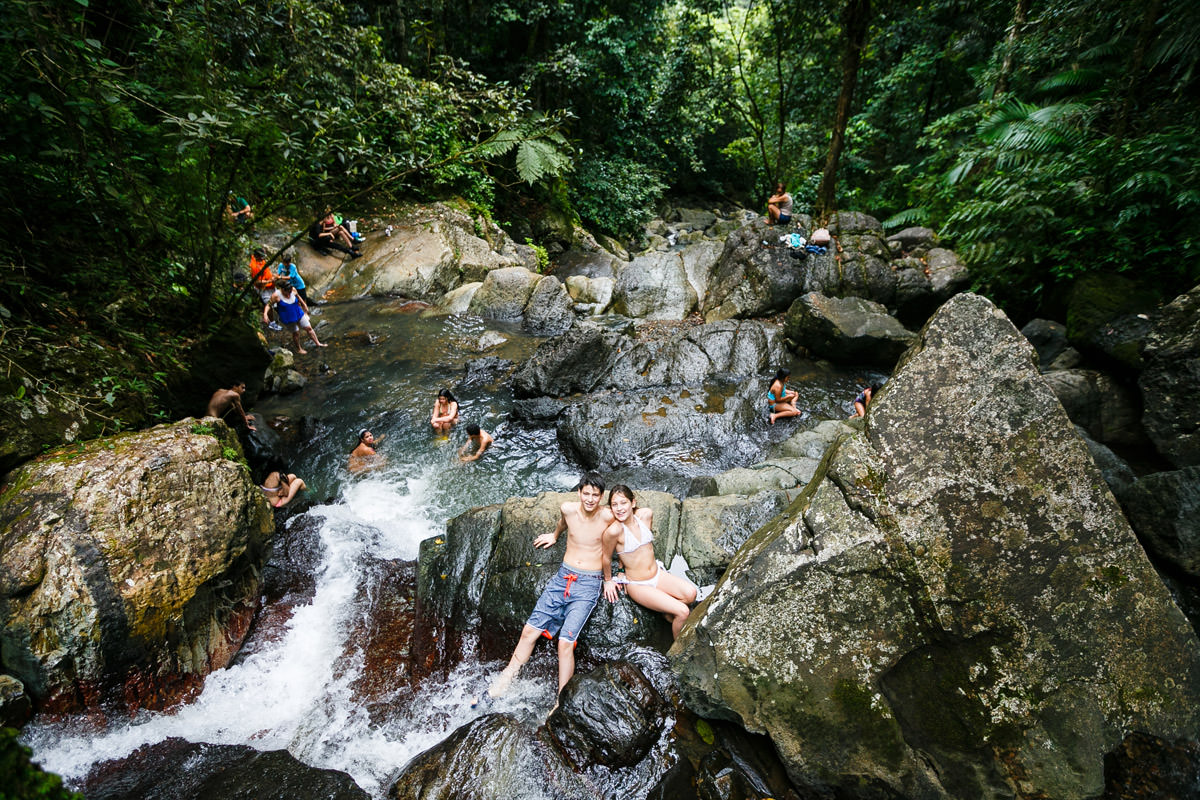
[954, 576]
[180, 770]
[130, 565]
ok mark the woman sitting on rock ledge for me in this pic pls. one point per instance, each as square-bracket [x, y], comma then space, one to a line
[781, 401]
[646, 579]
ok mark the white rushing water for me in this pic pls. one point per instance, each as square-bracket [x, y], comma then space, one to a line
[295, 693]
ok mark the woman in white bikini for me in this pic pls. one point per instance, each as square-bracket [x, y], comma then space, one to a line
[281, 487]
[646, 579]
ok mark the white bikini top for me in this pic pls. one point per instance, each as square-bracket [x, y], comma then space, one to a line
[632, 542]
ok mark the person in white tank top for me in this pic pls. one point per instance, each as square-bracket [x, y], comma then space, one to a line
[646, 579]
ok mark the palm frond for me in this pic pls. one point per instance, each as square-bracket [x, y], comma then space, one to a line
[907, 217]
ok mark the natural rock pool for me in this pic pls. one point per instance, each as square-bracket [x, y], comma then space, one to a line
[311, 678]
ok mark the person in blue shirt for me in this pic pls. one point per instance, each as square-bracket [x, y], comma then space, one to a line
[286, 270]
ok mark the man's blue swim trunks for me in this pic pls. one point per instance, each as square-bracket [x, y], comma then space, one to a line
[566, 603]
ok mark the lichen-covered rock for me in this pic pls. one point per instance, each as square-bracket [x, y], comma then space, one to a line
[714, 527]
[911, 238]
[813, 443]
[15, 706]
[847, 330]
[772, 475]
[1164, 508]
[129, 565]
[1170, 382]
[955, 606]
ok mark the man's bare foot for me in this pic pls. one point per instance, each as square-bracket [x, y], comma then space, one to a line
[319, 344]
[771, 419]
[302, 351]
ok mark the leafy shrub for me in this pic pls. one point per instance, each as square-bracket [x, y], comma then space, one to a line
[615, 193]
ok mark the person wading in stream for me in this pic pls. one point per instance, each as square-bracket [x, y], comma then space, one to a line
[569, 597]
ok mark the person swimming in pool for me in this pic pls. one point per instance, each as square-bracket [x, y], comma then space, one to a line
[363, 457]
[646, 580]
[781, 401]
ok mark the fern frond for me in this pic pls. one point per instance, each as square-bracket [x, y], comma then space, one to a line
[907, 217]
[1072, 80]
[537, 159]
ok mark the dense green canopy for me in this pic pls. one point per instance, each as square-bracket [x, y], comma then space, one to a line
[1045, 140]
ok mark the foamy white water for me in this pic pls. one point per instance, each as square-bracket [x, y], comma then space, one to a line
[296, 694]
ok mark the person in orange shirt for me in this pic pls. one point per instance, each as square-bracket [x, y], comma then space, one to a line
[264, 281]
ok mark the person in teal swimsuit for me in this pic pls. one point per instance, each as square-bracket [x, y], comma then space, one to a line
[781, 401]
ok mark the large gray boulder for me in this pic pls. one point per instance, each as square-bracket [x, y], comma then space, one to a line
[705, 426]
[717, 526]
[1093, 400]
[589, 358]
[129, 566]
[548, 310]
[847, 330]
[1164, 508]
[754, 277]
[492, 757]
[504, 293]
[955, 606]
[576, 361]
[1170, 382]
[654, 286]
[433, 249]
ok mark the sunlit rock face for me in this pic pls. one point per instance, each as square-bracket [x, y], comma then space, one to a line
[955, 606]
[129, 566]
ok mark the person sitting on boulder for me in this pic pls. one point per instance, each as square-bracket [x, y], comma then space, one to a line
[781, 401]
[477, 437]
[326, 234]
[779, 206]
[238, 209]
[645, 579]
[281, 486]
[568, 598]
[864, 398]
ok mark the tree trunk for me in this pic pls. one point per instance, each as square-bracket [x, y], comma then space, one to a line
[1020, 13]
[1138, 62]
[855, 17]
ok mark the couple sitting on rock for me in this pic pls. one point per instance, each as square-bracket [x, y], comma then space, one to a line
[594, 533]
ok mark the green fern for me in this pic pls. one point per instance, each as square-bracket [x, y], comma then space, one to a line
[906, 218]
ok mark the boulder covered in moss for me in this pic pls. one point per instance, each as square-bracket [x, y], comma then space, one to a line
[129, 566]
[955, 606]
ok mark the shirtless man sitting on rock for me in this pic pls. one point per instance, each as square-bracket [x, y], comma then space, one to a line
[225, 399]
[569, 597]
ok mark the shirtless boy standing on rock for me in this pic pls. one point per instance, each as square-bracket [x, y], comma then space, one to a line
[569, 597]
[225, 399]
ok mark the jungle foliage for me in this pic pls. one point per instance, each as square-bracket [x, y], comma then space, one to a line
[1046, 140]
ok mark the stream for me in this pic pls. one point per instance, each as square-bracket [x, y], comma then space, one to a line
[294, 684]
